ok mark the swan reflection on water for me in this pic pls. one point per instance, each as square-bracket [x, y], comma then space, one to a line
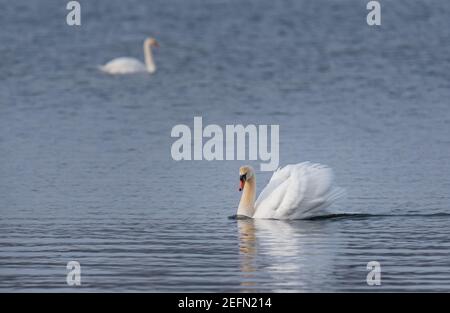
[247, 249]
[287, 252]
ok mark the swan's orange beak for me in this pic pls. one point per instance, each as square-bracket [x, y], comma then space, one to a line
[241, 185]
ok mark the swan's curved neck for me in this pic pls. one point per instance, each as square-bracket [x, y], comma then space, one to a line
[149, 63]
[247, 203]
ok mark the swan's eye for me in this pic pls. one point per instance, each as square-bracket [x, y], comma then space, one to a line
[243, 177]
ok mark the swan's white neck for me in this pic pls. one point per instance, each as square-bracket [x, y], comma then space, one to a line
[149, 63]
[247, 203]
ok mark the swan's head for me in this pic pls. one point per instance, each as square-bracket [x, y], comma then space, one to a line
[246, 173]
[151, 42]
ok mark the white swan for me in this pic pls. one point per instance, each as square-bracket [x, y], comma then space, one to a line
[294, 192]
[125, 65]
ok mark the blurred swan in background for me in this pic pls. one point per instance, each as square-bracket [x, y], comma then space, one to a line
[125, 65]
[295, 191]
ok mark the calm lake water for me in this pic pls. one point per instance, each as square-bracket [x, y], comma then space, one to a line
[86, 172]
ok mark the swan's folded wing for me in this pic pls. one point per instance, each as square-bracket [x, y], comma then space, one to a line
[270, 199]
[278, 177]
[299, 192]
[295, 193]
[268, 208]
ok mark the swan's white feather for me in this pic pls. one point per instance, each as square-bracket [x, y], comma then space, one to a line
[297, 191]
[124, 65]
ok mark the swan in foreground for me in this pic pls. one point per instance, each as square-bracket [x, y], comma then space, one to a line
[295, 191]
[125, 65]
